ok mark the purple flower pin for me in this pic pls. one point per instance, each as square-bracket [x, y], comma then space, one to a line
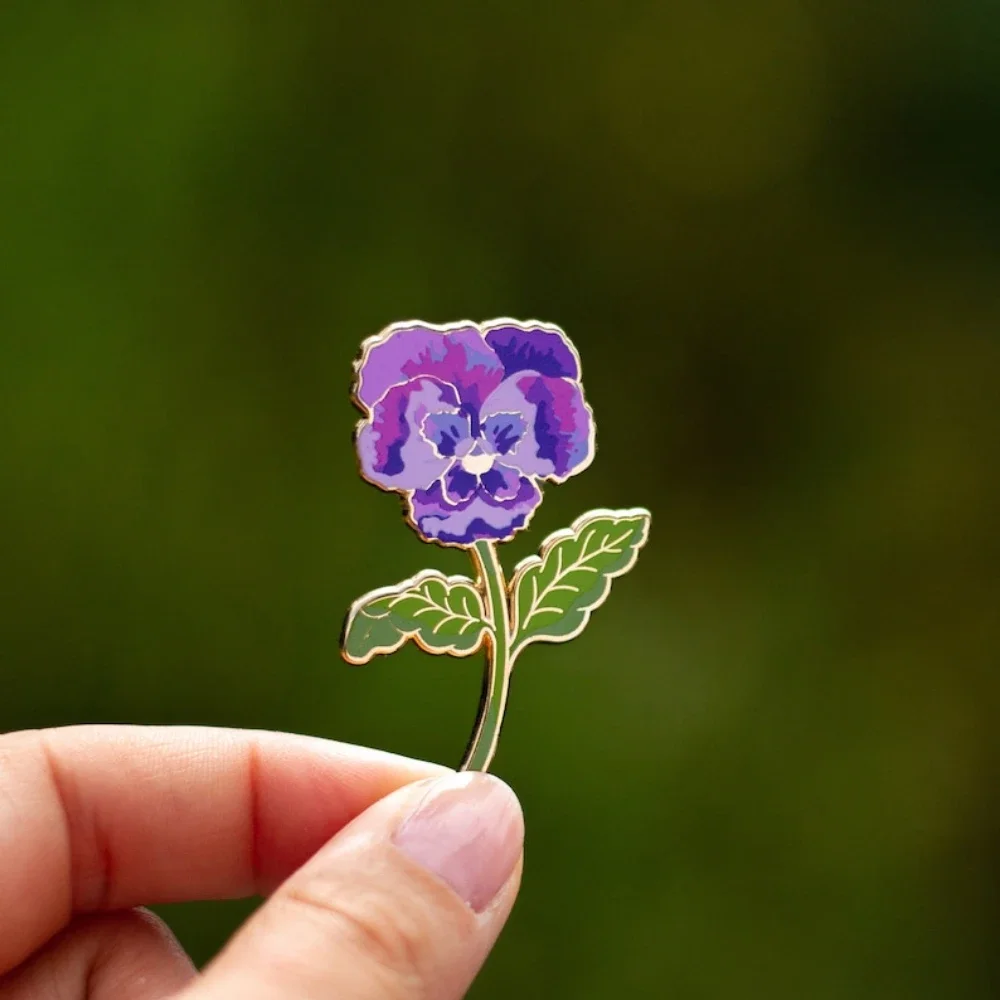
[466, 421]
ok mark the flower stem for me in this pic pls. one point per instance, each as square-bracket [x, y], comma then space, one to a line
[496, 679]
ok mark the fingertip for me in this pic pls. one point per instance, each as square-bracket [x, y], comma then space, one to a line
[406, 901]
[467, 829]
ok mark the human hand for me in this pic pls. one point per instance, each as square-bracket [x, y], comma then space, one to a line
[388, 879]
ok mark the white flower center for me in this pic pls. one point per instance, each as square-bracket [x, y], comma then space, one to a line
[477, 463]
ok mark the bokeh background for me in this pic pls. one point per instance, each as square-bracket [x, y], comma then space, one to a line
[771, 226]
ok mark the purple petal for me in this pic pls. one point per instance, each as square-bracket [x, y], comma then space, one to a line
[558, 439]
[501, 482]
[459, 357]
[503, 431]
[446, 431]
[541, 349]
[478, 517]
[393, 453]
[458, 485]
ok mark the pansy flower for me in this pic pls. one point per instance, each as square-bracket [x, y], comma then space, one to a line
[467, 420]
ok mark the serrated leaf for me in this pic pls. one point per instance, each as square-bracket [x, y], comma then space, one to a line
[442, 614]
[555, 593]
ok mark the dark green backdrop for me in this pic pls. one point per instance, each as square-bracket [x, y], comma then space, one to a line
[771, 226]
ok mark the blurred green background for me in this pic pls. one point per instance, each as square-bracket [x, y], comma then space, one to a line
[771, 226]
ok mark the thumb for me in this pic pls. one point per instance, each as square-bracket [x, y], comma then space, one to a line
[405, 902]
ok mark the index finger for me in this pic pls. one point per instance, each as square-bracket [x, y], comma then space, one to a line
[110, 817]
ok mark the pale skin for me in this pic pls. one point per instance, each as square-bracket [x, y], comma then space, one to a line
[384, 878]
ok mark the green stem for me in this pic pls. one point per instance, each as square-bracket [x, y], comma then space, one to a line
[496, 680]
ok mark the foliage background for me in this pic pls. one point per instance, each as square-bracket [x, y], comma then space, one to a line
[769, 770]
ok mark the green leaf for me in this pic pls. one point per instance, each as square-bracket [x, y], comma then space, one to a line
[442, 614]
[554, 594]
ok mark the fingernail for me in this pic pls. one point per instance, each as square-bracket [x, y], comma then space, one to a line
[468, 830]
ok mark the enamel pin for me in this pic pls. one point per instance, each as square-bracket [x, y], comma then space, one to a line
[466, 421]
